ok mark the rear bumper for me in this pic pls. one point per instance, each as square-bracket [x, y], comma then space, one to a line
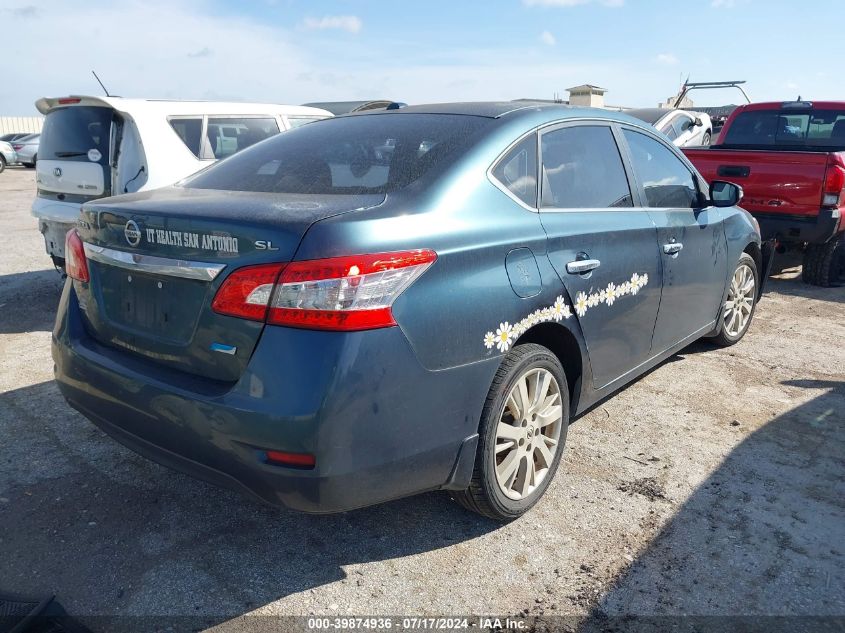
[813, 230]
[378, 423]
[55, 219]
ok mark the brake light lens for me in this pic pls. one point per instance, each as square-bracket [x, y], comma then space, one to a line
[834, 181]
[69, 100]
[76, 264]
[246, 292]
[340, 293]
[345, 293]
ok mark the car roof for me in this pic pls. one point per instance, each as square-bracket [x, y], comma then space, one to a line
[488, 109]
[177, 107]
[779, 105]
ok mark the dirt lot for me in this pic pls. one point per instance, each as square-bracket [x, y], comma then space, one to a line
[715, 485]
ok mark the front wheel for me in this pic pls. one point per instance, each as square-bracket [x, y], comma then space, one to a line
[705, 140]
[2, 163]
[740, 303]
[521, 435]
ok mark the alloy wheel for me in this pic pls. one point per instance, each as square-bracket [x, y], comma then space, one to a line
[740, 301]
[528, 433]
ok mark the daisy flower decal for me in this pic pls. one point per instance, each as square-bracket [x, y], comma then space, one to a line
[559, 309]
[592, 301]
[581, 304]
[503, 336]
[489, 340]
[635, 283]
[610, 293]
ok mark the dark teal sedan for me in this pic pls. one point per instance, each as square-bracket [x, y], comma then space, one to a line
[385, 303]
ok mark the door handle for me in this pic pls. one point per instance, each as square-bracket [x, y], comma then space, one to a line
[581, 266]
[673, 249]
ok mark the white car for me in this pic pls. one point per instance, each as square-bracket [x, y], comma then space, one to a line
[7, 155]
[684, 128]
[93, 147]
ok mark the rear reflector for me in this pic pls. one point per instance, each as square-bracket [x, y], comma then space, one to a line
[246, 292]
[340, 293]
[297, 460]
[76, 264]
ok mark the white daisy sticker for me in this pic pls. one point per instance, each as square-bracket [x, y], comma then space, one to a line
[503, 336]
[610, 294]
[581, 304]
[506, 334]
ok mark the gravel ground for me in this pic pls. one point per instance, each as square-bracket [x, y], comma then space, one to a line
[713, 486]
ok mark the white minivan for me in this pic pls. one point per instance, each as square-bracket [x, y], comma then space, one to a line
[93, 147]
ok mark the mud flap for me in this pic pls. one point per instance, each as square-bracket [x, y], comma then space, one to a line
[768, 253]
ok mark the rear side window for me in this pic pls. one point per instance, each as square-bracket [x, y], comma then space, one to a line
[77, 133]
[361, 154]
[517, 170]
[227, 136]
[808, 129]
[666, 180]
[190, 131]
[582, 168]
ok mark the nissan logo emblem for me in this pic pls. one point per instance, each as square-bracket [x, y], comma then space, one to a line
[57, 172]
[132, 233]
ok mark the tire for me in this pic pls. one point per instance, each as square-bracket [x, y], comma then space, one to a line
[530, 365]
[824, 264]
[731, 326]
[2, 164]
[29, 165]
[705, 140]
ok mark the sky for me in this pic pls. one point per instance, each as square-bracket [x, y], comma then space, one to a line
[417, 51]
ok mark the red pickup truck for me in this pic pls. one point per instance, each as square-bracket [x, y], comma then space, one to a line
[789, 158]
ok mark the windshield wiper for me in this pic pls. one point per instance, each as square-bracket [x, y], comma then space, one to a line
[70, 154]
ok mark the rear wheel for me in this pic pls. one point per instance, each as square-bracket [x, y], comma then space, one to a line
[824, 264]
[521, 435]
[739, 306]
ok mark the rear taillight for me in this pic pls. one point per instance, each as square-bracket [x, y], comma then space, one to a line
[834, 181]
[246, 292]
[17, 146]
[341, 293]
[76, 264]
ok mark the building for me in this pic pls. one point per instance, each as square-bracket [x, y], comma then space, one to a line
[15, 124]
[587, 96]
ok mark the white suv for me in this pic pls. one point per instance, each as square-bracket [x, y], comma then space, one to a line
[93, 147]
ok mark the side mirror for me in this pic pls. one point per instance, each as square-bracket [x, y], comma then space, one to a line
[725, 194]
[698, 122]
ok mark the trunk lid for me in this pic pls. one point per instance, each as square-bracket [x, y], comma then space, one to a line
[774, 182]
[157, 259]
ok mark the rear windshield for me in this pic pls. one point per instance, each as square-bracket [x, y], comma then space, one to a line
[790, 129]
[347, 155]
[72, 133]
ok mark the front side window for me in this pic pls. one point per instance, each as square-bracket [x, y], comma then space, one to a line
[517, 170]
[666, 180]
[582, 168]
[681, 124]
[190, 131]
[227, 136]
[377, 153]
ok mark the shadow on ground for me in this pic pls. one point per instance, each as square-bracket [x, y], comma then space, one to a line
[28, 301]
[767, 528]
[111, 533]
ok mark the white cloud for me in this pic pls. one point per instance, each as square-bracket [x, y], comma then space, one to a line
[723, 4]
[547, 38]
[571, 3]
[667, 59]
[349, 23]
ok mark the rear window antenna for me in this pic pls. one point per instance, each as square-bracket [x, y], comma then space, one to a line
[101, 83]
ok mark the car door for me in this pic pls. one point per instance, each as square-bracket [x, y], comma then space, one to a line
[603, 248]
[693, 247]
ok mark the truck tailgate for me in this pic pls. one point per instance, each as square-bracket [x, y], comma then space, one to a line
[776, 182]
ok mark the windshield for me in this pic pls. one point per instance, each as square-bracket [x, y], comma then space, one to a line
[76, 133]
[805, 129]
[357, 154]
